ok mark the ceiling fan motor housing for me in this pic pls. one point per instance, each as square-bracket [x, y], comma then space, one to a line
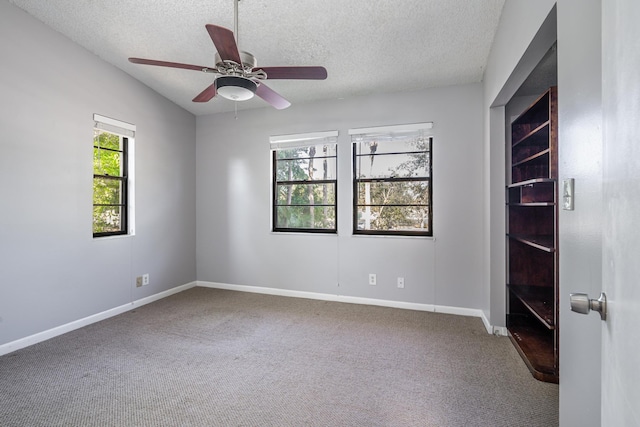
[248, 60]
[236, 88]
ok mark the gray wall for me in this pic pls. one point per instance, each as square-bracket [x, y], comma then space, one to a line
[235, 245]
[511, 60]
[51, 269]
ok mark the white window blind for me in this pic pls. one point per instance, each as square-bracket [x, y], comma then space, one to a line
[391, 130]
[114, 126]
[303, 139]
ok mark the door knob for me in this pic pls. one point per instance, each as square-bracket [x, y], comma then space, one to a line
[580, 303]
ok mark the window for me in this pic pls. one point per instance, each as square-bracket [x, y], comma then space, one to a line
[392, 183]
[111, 180]
[304, 182]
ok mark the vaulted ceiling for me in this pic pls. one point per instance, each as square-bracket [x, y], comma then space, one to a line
[367, 46]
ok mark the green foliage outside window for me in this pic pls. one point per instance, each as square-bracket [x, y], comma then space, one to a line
[305, 188]
[392, 185]
[109, 183]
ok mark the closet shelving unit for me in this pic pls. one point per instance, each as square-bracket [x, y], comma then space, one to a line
[532, 237]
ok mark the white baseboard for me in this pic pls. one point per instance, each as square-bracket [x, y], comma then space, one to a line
[460, 311]
[76, 324]
[68, 327]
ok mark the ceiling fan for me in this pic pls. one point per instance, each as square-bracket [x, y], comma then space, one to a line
[238, 76]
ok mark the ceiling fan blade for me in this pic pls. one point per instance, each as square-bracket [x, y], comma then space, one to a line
[272, 97]
[309, 73]
[225, 43]
[207, 94]
[172, 64]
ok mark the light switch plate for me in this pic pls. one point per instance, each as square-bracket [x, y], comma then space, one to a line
[567, 194]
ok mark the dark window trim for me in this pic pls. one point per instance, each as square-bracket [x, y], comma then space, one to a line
[274, 200]
[304, 158]
[391, 153]
[124, 212]
[399, 179]
[308, 181]
[356, 181]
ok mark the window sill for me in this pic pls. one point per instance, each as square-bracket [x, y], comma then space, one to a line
[391, 236]
[117, 236]
[301, 233]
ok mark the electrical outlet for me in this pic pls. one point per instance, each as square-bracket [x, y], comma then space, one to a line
[145, 279]
[401, 282]
[138, 281]
[372, 279]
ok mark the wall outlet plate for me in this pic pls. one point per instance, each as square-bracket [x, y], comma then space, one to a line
[145, 279]
[401, 282]
[372, 279]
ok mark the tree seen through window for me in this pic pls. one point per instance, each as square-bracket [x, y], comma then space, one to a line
[392, 184]
[109, 184]
[305, 188]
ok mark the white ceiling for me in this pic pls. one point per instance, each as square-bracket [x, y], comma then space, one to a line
[367, 46]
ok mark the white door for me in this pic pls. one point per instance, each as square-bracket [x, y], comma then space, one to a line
[580, 153]
[621, 201]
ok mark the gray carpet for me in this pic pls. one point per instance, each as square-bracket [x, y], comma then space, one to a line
[207, 357]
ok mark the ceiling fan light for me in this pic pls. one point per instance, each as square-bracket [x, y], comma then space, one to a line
[236, 88]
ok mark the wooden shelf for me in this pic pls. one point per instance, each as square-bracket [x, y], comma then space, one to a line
[534, 192]
[536, 133]
[533, 117]
[544, 243]
[530, 182]
[532, 204]
[537, 351]
[531, 158]
[540, 300]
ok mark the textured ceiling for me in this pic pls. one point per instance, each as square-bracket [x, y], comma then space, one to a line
[367, 46]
